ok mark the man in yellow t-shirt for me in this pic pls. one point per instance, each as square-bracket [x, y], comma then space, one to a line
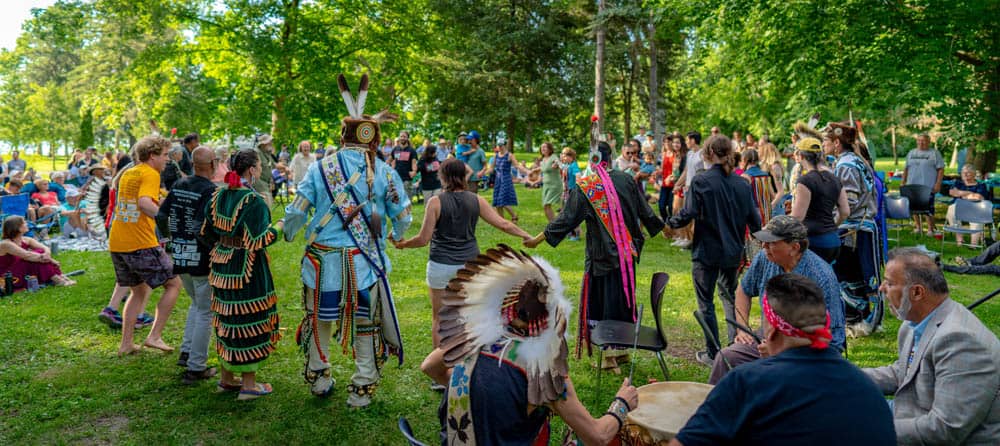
[140, 263]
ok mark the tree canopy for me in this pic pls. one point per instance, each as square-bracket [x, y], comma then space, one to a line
[96, 72]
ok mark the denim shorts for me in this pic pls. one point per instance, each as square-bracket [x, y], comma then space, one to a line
[438, 274]
[151, 266]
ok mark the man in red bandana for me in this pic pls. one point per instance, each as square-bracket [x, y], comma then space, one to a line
[803, 392]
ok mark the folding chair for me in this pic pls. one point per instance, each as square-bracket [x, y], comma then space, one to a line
[897, 208]
[620, 334]
[11, 205]
[980, 212]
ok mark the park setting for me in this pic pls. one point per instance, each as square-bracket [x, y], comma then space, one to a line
[454, 222]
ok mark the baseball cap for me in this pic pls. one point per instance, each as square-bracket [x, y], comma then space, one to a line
[782, 227]
[474, 135]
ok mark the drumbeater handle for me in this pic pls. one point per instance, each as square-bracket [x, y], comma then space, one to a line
[635, 343]
[745, 329]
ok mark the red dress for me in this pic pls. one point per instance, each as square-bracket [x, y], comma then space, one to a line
[19, 268]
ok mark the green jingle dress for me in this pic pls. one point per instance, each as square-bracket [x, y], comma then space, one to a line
[244, 303]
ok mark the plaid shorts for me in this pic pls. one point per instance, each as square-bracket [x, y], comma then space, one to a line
[152, 266]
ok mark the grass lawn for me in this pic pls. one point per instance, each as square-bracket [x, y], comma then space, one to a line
[60, 381]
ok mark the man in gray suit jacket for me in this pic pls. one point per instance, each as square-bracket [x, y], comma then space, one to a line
[947, 378]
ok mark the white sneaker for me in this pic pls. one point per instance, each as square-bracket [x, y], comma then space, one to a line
[684, 244]
[676, 242]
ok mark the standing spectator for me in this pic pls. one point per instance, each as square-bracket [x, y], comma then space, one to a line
[221, 165]
[693, 165]
[649, 144]
[924, 166]
[173, 171]
[405, 159]
[628, 161]
[140, 263]
[320, 151]
[450, 227]
[384, 152]
[301, 161]
[667, 180]
[428, 166]
[765, 191]
[109, 161]
[570, 173]
[16, 164]
[724, 210]
[770, 162]
[463, 149]
[87, 160]
[475, 158]
[181, 216]
[504, 194]
[967, 188]
[264, 183]
[190, 141]
[443, 149]
[283, 154]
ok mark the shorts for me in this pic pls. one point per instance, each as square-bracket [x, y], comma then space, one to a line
[428, 193]
[439, 274]
[151, 266]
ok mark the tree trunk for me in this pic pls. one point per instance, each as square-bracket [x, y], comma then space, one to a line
[279, 123]
[654, 112]
[895, 154]
[511, 125]
[630, 91]
[599, 69]
[528, 146]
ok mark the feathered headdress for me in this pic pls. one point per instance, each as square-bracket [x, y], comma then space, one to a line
[505, 297]
[359, 129]
[810, 139]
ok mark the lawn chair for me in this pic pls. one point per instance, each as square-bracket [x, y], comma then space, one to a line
[980, 212]
[897, 208]
[11, 205]
[404, 427]
[620, 334]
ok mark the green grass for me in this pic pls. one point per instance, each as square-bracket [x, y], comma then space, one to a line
[60, 381]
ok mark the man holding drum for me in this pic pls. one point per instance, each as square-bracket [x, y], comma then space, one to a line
[802, 393]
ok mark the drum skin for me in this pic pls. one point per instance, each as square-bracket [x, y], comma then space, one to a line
[664, 408]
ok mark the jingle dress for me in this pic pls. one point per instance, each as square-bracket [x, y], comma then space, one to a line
[244, 303]
[503, 185]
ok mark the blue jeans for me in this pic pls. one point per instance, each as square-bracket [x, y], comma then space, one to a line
[198, 329]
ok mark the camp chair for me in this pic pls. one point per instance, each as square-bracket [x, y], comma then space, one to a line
[980, 212]
[897, 208]
[11, 205]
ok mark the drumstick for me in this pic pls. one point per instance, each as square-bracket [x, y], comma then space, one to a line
[745, 329]
[635, 342]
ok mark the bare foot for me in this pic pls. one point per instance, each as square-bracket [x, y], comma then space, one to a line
[128, 351]
[158, 344]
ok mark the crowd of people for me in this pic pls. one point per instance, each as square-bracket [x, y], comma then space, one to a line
[806, 238]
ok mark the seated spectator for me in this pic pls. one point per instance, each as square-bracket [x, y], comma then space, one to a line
[57, 185]
[802, 393]
[981, 264]
[71, 215]
[785, 250]
[47, 201]
[533, 179]
[946, 380]
[967, 188]
[24, 256]
[13, 187]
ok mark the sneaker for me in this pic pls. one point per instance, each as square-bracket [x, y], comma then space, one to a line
[438, 387]
[182, 361]
[190, 377]
[574, 238]
[144, 320]
[684, 244]
[704, 358]
[111, 317]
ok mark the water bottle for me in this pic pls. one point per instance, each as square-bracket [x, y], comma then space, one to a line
[8, 284]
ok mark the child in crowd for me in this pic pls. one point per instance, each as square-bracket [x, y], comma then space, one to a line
[570, 172]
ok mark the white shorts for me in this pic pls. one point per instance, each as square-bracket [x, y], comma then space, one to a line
[438, 274]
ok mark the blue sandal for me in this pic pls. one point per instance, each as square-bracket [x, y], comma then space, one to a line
[262, 389]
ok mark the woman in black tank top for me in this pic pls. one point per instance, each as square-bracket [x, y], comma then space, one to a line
[450, 227]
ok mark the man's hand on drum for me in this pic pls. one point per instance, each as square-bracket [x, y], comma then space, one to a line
[629, 393]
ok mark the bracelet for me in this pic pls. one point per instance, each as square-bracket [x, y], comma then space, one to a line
[621, 423]
[618, 398]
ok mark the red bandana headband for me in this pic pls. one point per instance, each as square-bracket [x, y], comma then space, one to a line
[820, 338]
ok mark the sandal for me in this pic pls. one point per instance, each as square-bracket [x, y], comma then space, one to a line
[224, 387]
[262, 389]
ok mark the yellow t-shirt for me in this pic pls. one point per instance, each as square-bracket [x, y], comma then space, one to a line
[132, 230]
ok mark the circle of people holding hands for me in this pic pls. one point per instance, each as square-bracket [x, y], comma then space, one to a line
[791, 239]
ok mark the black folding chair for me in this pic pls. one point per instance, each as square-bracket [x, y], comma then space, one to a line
[897, 208]
[921, 199]
[621, 334]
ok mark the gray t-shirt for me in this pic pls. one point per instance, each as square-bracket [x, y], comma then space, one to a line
[693, 166]
[922, 166]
